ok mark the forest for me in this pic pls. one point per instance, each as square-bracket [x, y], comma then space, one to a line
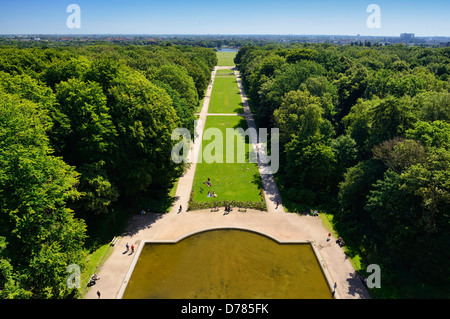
[85, 130]
[365, 137]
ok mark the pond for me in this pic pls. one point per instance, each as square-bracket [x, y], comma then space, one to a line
[227, 264]
[224, 49]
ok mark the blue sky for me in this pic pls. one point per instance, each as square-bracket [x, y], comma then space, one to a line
[332, 17]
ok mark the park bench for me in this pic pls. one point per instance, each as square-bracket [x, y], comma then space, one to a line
[214, 210]
[114, 240]
[242, 209]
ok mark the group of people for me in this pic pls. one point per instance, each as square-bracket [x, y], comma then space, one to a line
[228, 208]
[313, 213]
[340, 242]
[211, 194]
[128, 248]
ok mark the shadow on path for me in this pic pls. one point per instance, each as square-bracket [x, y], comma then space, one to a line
[141, 222]
[356, 288]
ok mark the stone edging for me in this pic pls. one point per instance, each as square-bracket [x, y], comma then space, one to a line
[142, 243]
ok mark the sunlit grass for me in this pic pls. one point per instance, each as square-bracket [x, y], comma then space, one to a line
[230, 181]
[226, 58]
[225, 96]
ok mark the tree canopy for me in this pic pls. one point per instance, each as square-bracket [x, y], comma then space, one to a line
[84, 130]
[364, 136]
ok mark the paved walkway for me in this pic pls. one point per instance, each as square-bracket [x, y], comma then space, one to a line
[275, 222]
[270, 188]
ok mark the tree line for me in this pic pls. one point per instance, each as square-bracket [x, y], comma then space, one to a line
[364, 135]
[81, 130]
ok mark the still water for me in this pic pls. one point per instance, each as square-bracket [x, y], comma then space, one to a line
[227, 264]
[224, 49]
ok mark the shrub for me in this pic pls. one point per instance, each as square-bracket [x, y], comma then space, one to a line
[222, 203]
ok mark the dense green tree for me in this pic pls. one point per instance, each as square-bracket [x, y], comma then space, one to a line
[32, 62]
[28, 88]
[358, 125]
[288, 118]
[310, 165]
[63, 70]
[353, 190]
[309, 159]
[86, 134]
[410, 209]
[432, 106]
[435, 134]
[97, 191]
[377, 84]
[351, 86]
[390, 118]
[10, 287]
[346, 153]
[103, 71]
[259, 72]
[180, 81]
[42, 234]
[288, 78]
[301, 54]
[185, 112]
[144, 117]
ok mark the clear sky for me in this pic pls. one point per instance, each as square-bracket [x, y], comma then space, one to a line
[329, 17]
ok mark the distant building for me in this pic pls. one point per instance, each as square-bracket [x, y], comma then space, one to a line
[407, 36]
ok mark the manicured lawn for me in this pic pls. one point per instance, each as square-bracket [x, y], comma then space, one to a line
[225, 96]
[224, 72]
[226, 58]
[230, 181]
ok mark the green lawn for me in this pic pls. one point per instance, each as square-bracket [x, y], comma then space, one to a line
[225, 96]
[226, 58]
[230, 181]
[94, 261]
[225, 72]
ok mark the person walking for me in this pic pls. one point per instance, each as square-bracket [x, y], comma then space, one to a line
[132, 248]
[127, 246]
[98, 294]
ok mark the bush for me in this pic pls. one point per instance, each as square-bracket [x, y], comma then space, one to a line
[222, 203]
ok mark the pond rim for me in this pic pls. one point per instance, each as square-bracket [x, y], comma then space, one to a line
[142, 243]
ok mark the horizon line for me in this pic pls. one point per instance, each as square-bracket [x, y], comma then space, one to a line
[220, 34]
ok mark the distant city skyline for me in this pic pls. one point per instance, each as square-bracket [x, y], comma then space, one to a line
[201, 17]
